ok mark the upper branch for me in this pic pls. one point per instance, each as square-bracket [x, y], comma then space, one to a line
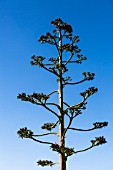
[74, 83]
[54, 104]
[50, 133]
[87, 76]
[38, 99]
[75, 110]
[44, 105]
[97, 125]
[50, 143]
[37, 60]
[69, 59]
[53, 92]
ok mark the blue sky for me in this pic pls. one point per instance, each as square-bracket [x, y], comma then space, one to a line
[21, 24]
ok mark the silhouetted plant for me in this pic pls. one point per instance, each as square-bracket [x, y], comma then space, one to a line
[58, 66]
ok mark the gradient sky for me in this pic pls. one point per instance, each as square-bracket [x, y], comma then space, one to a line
[21, 24]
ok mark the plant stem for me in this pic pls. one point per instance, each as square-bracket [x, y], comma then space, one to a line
[61, 114]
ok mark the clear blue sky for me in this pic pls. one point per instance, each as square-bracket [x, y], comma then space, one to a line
[21, 24]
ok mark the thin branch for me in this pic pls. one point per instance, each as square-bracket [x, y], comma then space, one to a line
[48, 64]
[67, 83]
[66, 104]
[69, 107]
[62, 62]
[69, 59]
[75, 105]
[41, 141]
[56, 44]
[54, 104]
[49, 70]
[84, 149]
[50, 110]
[56, 123]
[83, 130]
[50, 133]
[53, 92]
[69, 124]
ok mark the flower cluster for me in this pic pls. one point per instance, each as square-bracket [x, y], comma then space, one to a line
[37, 60]
[89, 92]
[66, 79]
[59, 68]
[22, 97]
[100, 124]
[88, 75]
[80, 58]
[48, 126]
[61, 149]
[98, 141]
[40, 97]
[25, 133]
[58, 23]
[76, 38]
[34, 98]
[70, 47]
[76, 109]
[45, 163]
[54, 60]
[49, 38]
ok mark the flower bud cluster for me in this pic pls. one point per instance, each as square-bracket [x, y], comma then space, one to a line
[98, 141]
[34, 98]
[58, 23]
[89, 92]
[48, 126]
[45, 163]
[88, 75]
[63, 150]
[80, 58]
[37, 60]
[25, 133]
[100, 124]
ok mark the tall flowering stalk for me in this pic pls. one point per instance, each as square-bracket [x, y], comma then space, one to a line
[59, 66]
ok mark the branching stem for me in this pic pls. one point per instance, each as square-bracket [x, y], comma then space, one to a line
[69, 59]
[83, 130]
[49, 143]
[50, 133]
[53, 92]
[74, 83]
[84, 149]
[44, 105]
